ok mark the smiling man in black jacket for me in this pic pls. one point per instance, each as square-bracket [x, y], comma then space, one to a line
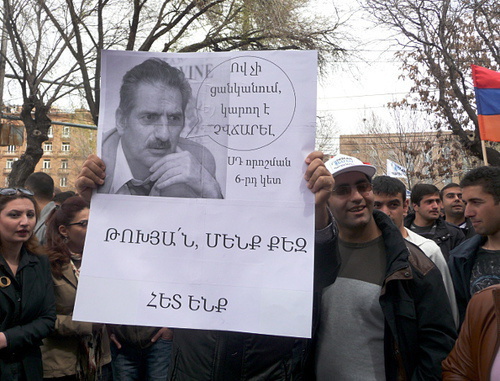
[386, 316]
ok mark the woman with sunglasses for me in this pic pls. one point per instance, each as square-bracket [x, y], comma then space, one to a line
[27, 311]
[76, 350]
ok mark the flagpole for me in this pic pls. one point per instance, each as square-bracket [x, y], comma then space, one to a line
[485, 156]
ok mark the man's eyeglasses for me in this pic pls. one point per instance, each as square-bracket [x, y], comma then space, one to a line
[82, 223]
[346, 190]
[13, 191]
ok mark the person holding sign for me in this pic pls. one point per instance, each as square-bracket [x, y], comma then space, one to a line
[220, 355]
[27, 310]
[387, 315]
[145, 154]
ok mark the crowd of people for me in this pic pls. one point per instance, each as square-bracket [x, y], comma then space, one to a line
[396, 280]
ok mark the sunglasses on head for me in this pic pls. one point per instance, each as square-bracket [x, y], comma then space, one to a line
[13, 191]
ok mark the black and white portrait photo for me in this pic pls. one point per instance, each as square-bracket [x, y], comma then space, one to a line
[145, 152]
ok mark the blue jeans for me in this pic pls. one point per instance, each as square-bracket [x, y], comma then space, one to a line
[151, 363]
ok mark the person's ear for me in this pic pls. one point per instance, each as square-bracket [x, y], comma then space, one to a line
[63, 230]
[120, 120]
[406, 203]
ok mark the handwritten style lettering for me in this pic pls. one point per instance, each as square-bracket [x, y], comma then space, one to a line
[242, 129]
[238, 89]
[155, 237]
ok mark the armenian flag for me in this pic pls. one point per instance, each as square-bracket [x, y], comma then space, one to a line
[487, 88]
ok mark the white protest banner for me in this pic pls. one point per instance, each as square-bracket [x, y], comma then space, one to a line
[395, 170]
[204, 220]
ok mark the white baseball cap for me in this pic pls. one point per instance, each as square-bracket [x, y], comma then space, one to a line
[343, 163]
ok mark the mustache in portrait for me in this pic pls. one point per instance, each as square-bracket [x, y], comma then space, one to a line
[159, 144]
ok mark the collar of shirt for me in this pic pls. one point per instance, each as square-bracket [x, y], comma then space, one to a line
[122, 173]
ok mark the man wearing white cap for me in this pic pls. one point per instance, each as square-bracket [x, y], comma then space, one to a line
[383, 318]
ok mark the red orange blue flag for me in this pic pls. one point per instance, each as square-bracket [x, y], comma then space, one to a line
[487, 88]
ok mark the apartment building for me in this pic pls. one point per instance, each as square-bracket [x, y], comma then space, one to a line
[63, 153]
[435, 157]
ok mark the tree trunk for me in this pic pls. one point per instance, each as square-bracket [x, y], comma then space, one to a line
[37, 123]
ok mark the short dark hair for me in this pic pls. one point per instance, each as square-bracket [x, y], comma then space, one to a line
[153, 71]
[41, 184]
[488, 177]
[389, 186]
[420, 190]
[450, 185]
[63, 196]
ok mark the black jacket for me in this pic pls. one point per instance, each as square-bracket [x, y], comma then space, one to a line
[419, 327]
[447, 236]
[225, 356]
[461, 261]
[469, 230]
[36, 320]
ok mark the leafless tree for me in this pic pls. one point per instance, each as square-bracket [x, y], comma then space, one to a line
[56, 45]
[440, 39]
[187, 26]
[35, 56]
[327, 133]
[408, 139]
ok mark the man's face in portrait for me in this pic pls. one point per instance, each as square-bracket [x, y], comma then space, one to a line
[151, 129]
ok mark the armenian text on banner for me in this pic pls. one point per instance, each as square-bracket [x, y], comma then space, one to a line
[226, 242]
[487, 89]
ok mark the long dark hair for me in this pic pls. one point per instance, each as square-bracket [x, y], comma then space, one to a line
[59, 253]
[32, 244]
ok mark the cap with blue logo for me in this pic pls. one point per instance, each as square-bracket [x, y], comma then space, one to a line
[343, 163]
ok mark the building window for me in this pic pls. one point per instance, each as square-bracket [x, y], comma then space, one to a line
[64, 164]
[11, 149]
[65, 132]
[50, 133]
[47, 147]
[8, 163]
[65, 147]
[46, 164]
[63, 182]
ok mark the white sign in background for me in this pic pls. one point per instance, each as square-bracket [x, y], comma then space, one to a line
[242, 263]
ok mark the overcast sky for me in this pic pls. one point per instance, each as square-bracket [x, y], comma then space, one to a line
[363, 85]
